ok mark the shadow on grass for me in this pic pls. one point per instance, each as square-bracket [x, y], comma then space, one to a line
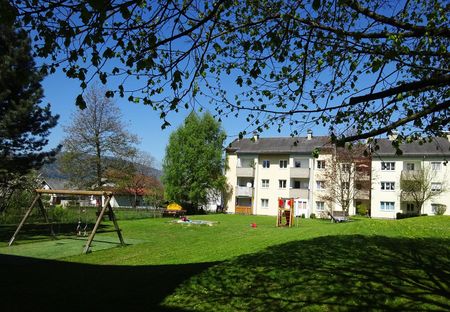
[46, 285]
[350, 273]
[36, 231]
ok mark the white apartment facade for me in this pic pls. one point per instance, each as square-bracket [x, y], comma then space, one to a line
[262, 171]
[388, 170]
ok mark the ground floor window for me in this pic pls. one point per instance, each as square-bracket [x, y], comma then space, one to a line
[410, 207]
[320, 205]
[387, 206]
[264, 203]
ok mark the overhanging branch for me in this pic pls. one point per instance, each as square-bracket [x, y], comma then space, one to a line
[429, 110]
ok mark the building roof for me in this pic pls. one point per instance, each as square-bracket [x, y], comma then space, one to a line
[279, 145]
[438, 147]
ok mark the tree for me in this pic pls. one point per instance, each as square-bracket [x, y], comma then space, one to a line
[135, 176]
[24, 123]
[95, 140]
[279, 63]
[346, 176]
[193, 167]
[419, 186]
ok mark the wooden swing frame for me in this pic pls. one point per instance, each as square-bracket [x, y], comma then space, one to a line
[106, 205]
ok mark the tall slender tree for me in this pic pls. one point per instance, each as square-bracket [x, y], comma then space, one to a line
[24, 123]
[194, 164]
[95, 138]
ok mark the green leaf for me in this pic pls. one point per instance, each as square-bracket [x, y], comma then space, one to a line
[316, 5]
[80, 102]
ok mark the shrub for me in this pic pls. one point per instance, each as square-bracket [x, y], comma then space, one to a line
[362, 210]
[440, 210]
[58, 214]
[312, 216]
[303, 216]
[401, 215]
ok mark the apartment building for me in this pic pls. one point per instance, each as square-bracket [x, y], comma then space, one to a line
[388, 170]
[264, 170]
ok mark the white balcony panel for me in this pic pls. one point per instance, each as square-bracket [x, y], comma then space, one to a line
[298, 193]
[299, 172]
[245, 172]
[244, 191]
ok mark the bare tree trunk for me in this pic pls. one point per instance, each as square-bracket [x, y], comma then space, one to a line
[98, 163]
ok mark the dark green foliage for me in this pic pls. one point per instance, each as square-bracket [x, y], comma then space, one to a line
[370, 66]
[193, 165]
[24, 123]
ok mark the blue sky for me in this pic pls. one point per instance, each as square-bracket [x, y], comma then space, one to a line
[61, 92]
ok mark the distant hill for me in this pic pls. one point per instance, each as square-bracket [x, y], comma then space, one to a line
[52, 172]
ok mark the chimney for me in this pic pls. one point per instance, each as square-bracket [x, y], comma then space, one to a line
[393, 135]
[255, 136]
[310, 134]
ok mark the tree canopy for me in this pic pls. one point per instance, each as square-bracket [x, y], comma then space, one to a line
[193, 167]
[24, 123]
[96, 138]
[360, 66]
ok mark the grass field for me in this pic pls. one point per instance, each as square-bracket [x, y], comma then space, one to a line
[365, 264]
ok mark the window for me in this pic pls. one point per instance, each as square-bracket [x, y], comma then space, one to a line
[436, 165]
[387, 206]
[264, 203]
[388, 166]
[297, 163]
[283, 164]
[345, 185]
[436, 187]
[265, 183]
[266, 163]
[345, 167]
[320, 205]
[387, 186]
[410, 207]
[320, 185]
[321, 164]
[436, 208]
[282, 184]
[410, 166]
[301, 184]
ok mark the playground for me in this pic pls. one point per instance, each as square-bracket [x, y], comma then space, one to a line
[242, 263]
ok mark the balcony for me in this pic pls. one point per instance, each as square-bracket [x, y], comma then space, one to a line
[245, 172]
[412, 175]
[296, 193]
[299, 173]
[362, 194]
[244, 191]
[245, 210]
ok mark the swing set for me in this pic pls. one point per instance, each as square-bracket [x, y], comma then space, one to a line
[81, 230]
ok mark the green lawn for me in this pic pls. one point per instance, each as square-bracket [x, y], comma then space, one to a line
[365, 264]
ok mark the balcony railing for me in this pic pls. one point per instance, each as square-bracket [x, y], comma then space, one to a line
[362, 194]
[411, 174]
[244, 191]
[245, 172]
[246, 210]
[296, 193]
[299, 172]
